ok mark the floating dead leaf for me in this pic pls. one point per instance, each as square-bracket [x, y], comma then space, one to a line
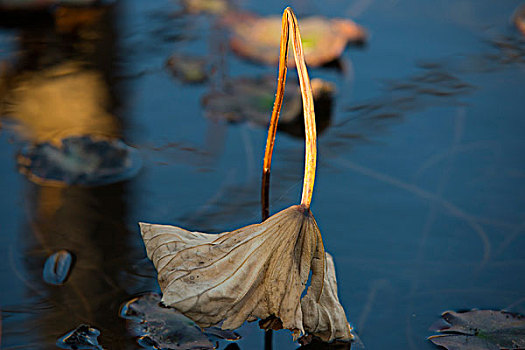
[57, 267]
[82, 161]
[82, 337]
[519, 18]
[189, 69]
[480, 330]
[249, 99]
[259, 271]
[214, 7]
[159, 327]
[323, 39]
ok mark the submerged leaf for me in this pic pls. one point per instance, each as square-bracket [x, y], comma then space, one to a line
[254, 272]
[57, 267]
[249, 99]
[82, 337]
[164, 328]
[481, 329]
[257, 38]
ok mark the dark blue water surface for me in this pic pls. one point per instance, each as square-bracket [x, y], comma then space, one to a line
[420, 192]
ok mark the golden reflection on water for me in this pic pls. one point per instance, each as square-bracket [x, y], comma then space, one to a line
[60, 85]
[89, 223]
[61, 101]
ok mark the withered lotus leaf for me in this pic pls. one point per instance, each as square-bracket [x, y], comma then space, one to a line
[259, 271]
[247, 274]
[324, 40]
[243, 274]
[323, 314]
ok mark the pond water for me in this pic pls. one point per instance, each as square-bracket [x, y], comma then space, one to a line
[420, 192]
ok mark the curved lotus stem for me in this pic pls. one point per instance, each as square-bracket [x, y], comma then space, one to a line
[259, 271]
[289, 25]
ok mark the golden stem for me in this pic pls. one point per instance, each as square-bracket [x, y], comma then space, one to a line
[289, 25]
[270, 141]
[308, 111]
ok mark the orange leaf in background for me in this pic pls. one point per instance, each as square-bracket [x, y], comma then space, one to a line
[519, 18]
[323, 39]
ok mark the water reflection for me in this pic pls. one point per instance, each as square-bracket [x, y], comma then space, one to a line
[91, 224]
[488, 197]
[62, 86]
[434, 84]
[510, 49]
[317, 345]
[66, 99]
[437, 83]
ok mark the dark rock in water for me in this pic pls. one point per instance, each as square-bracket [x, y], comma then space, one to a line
[57, 267]
[82, 337]
[80, 161]
[159, 327]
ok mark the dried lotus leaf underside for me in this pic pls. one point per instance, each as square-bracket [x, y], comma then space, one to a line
[243, 274]
[323, 314]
